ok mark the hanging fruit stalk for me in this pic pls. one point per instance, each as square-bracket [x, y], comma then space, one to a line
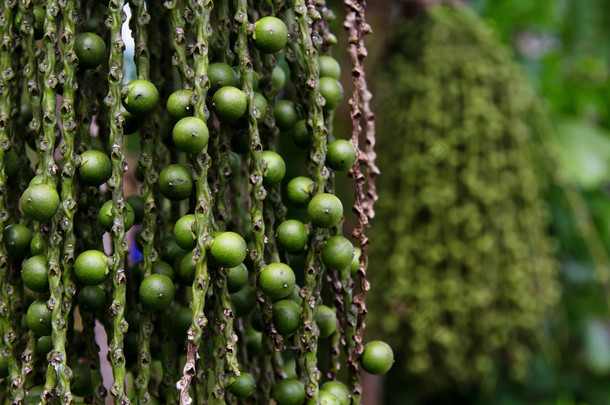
[214, 265]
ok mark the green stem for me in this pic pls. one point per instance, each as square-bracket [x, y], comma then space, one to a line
[203, 209]
[115, 184]
[258, 194]
[307, 49]
[139, 21]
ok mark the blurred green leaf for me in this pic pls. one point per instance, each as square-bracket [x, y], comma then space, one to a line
[584, 152]
[597, 346]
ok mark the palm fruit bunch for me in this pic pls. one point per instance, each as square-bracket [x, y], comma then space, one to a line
[462, 227]
[179, 270]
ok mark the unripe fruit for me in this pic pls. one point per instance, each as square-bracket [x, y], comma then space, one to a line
[179, 104]
[90, 267]
[91, 298]
[326, 321]
[142, 98]
[299, 190]
[237, 278]
[107, 221]
[220, 75]
[17, 239]
[332, 91]
[229, 249]
[229, 103]
[38, 318]
[274, 167]
[270, 34]
[341, 155]
[190, 135]
[286, 317]
[377, 357]
[157, 291]
[329, 67]
[95, 168]
[242, 386]
[339, 390]
[291, 236]
[286, 115]
[90, 50]
[337, 253]
[34, 274]
[183, 232]
[289, 391]
[175, 182]
[277, 280]
[39, 202]
[325, 210]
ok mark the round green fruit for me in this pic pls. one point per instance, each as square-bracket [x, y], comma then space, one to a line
[270, 34]
[90, 267]
[190, 135]
[289, 391]
[329, 67]
[44, 345]
[229, 103]
[277, 280]
[325, 210]
[137, 203]
[341, 155]
[95, 168]
[179, 104]
[377, 357]
[242, 386]
[327, 398]
[184, 234]
[326, 321]
[337, 253]
[34, 274]
[161, 267]
[332, 91]
[181, 322]
[175, 182]
[274, 168]
[286, 115]
[38, 318]
[91, 298]
[229, 249]
[237, 278]
[220, 75]
[261, 106]
[300, 135]
[299, 190]
[355, 264]
[244, 301]
[278, 76]
[90, 50]
[339, 390]
[17, 239]
[187, 268]
[106, 220]
[39, 202]
[286, 317]
[142, 98]
[291, 236]
[157, 291]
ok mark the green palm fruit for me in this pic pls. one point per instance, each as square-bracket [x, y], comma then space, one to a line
[469, 274]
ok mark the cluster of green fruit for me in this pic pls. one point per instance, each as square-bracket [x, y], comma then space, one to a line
[470, 284]
[216, 289]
